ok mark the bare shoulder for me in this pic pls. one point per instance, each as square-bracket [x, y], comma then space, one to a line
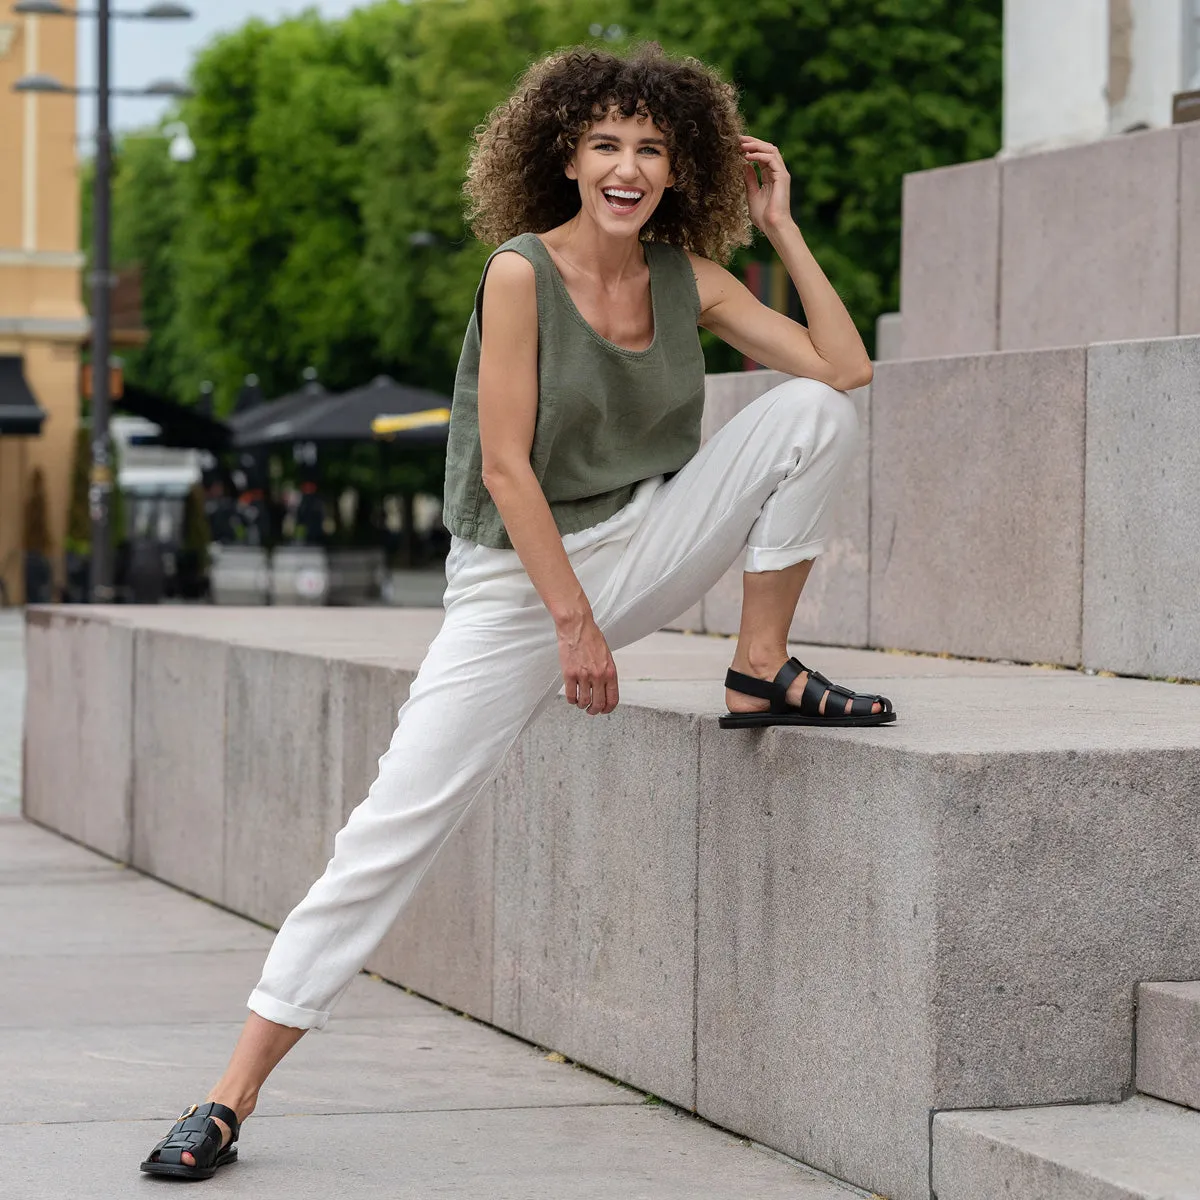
[712, 280]
[510, 296]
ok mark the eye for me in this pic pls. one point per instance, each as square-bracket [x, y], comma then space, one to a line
[653, 150]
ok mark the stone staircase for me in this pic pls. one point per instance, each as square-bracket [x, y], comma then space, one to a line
[1145, 1148]
[814, 938]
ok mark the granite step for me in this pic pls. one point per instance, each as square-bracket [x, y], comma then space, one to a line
[1142, 1149]
[1168, 1042]
[745, 926]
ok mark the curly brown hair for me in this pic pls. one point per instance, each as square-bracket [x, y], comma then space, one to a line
[515, 181]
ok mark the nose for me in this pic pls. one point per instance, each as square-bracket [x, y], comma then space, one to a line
[627, 168]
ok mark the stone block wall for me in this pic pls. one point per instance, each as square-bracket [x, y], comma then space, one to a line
[980, 520]
[1062, 248]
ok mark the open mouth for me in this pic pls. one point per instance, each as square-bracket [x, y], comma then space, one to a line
[623, 200]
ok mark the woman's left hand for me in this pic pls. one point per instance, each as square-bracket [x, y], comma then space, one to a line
[770, 201]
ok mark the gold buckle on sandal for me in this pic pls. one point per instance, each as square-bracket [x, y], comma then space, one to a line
[184, 1116]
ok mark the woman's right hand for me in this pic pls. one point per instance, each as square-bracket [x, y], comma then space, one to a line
[589, 673]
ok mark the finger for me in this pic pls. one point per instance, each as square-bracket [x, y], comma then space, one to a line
[761, 156]
[752, 184]
[611, 697]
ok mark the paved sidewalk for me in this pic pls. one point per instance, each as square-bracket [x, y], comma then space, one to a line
[12, 706]
[120, 998]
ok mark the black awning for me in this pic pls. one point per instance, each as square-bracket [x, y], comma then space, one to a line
[20, 413]
[181, 425]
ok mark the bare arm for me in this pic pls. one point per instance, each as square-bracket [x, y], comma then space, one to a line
[508, 402]
[829, 348]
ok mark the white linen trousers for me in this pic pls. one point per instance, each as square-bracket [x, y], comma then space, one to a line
[763, 484]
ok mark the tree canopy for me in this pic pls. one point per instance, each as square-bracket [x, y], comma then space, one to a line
[321, 220]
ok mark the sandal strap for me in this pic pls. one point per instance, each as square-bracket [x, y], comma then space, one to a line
[196, 1133]
[764, 689]
[815, 689]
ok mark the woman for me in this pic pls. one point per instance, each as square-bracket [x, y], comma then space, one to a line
[585, 514]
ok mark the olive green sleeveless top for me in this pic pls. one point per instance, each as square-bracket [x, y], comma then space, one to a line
[607, 417]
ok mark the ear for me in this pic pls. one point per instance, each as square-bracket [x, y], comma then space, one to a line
[569, 170]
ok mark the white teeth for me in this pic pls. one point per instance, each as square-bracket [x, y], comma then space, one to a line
[618, 194]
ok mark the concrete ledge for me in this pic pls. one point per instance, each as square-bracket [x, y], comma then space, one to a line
[1140, 1150]
[814, 937]
[1168, 1042]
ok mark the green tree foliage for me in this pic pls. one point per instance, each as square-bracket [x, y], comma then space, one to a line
[321, 221]
[856, 93]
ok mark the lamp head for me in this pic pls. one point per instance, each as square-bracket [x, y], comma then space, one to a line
[42, 8]
[167, 12]
[40, 84]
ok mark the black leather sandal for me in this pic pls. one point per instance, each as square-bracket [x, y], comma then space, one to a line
[199, 1135]
[782, 712]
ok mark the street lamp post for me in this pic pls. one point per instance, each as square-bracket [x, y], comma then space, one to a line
[101, 480]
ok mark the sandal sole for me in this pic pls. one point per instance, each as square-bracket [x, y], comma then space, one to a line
[183, 1171]
[758, 720]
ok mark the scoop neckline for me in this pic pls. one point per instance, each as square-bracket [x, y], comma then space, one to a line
[574, 310]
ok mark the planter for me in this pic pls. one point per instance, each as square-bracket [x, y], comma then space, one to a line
[355, 574]
[240, 575]
[299, 575]
[39, 578]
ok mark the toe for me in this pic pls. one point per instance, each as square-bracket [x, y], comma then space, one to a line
[187, 1159]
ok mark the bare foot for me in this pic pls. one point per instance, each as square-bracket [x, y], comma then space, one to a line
[766, 669]
[243, 1110]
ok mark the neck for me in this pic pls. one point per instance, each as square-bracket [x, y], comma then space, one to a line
[589, 248]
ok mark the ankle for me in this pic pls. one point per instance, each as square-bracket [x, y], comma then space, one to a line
[242, 1102]
[760, 660]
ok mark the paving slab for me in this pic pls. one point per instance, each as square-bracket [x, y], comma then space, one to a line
[398, 1097]
[428, 1060]
[1168, 1042]
[1140, 1150]
[574, 1153]
[106, 913]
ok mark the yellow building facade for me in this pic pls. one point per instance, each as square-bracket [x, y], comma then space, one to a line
[42, 317]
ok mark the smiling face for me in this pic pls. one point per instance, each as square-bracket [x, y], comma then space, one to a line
[622, 167]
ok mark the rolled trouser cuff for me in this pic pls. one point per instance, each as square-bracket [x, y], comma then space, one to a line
[282, 1013]
[770, 558]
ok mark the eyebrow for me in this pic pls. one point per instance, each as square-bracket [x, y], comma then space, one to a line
[616, 137]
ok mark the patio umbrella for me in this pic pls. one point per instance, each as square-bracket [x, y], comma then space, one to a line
[250, 421]
[350, 417]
